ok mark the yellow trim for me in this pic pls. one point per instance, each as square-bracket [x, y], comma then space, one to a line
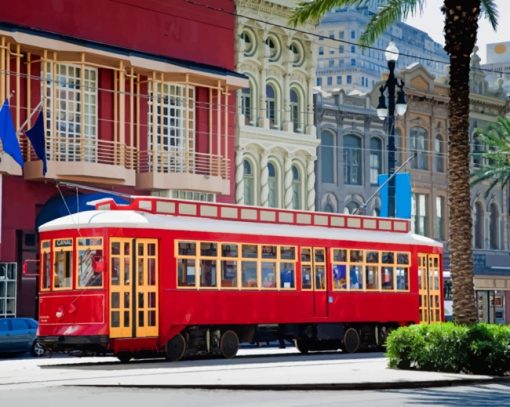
[429, 287]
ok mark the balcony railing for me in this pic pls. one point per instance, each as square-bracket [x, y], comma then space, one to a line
[183, 162]
[88, 150]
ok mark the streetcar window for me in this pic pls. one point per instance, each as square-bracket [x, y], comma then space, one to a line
[372, 257]
[387, 278]
[46, 265]
[269, 252]
[320, 277]
[319, 255]
[387, 258]
[356, 256]
[90, 262]
[229, 250]
[287, 275]
[288, 253]
[372, 276]
[339, 255]
[207, 273]
[229, 273]
[306, 255]
[63, 269]
[249, 274]
[186, 272]
[306, 277]
[402, 258]
[187, 248]
[356, 277]
[268, 274]
[250, 251]
[340, 276]
[402, 278]
[208, 249]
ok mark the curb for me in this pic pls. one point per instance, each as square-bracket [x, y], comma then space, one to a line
[311, 386]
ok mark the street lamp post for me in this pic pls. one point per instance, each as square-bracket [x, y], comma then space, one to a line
[383, 111]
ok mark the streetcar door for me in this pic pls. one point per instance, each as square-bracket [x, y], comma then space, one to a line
[429, 288]
[319, 282]
[133, 288]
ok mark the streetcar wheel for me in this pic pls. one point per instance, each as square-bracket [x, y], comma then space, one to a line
[175, 348]
[37, 349]
[351, 341]
[124, 357]
[229, 344]
[302, 346]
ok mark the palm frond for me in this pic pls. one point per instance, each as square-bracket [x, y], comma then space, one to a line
[496, 139]
[490, 12]
[391, 12]
[313, 11]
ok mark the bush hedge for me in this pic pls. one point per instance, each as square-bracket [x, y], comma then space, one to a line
[448, 347]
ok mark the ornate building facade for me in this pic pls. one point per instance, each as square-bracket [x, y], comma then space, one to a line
[275, 134]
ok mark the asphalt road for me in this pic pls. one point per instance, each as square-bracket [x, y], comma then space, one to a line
[479, 396]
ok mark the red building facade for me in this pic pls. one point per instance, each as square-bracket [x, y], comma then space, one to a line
[138, 96]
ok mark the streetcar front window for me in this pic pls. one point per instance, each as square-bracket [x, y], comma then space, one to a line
[62, 271]
[90, 262]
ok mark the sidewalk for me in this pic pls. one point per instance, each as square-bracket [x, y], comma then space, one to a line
[269, 369]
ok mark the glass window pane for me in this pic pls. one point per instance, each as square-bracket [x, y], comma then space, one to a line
[306, 277]
[269, 252]
[356, 277]
[288, 252]
[187, 248]
[340, 276]
[372, 275]
[249, 274]
[207, 273]
[186, 272]
[287, 275]
[250, 251]
[402, 278]
[339, 255]
[208, 249]
[229, 273]
[268, 274]
[387, 278]
[229, 250]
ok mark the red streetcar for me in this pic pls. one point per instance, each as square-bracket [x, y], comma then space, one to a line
[180, 278]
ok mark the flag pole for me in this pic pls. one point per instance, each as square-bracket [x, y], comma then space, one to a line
[26, 122]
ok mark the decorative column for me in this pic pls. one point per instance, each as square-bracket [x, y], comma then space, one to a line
[239, 159]
[287, 204]
[310, 183]
[264, 180]
[263, 59]
[287, 64]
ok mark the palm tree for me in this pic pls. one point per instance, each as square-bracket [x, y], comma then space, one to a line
[496, 155]
[460, 30]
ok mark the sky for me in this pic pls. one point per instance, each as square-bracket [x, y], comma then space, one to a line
[428, 22]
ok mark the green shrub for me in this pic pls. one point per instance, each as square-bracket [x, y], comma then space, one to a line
[488, 349]
[448, 347]
[402, 346]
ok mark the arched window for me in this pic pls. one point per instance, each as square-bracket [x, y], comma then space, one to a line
[249, 184]
[439, 153]
[494, 227]
[247, 103]
[295, 111]
[272, 185]
[248, 43]
[352, 160]
[328, 208]
[375, 159]
[350, 208]
[296, 188]
[327, 157]
[419, 147]
[271, 105]
[479, 235]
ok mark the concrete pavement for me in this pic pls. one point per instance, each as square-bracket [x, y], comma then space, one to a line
[252, 369]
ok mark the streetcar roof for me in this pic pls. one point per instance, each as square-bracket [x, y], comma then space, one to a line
[145, 220]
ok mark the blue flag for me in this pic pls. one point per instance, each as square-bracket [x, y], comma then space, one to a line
[36, 137]
[8, 134]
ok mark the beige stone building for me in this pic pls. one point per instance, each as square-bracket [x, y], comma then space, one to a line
[275, 136]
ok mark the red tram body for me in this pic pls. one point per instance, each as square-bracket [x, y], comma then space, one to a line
[183, 278]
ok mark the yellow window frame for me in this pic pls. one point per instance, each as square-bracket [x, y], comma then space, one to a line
[46, 273]
[77, 268]
[54, 273]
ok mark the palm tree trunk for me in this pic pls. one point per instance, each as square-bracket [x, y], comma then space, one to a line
[461, 26]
